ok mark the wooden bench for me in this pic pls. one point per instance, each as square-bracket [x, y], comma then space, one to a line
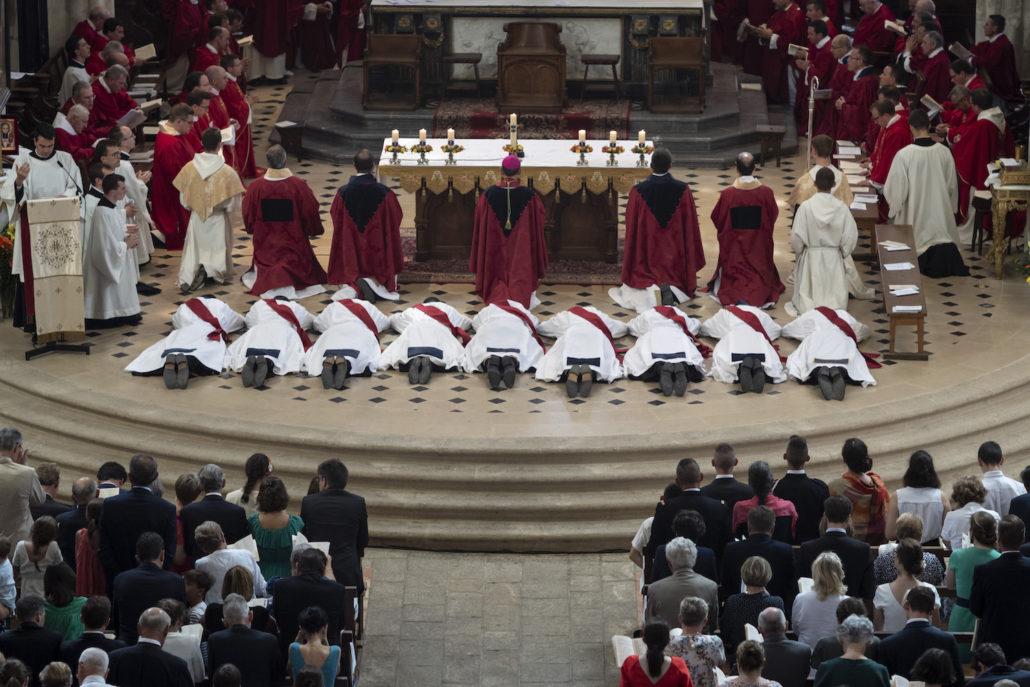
[901, 233]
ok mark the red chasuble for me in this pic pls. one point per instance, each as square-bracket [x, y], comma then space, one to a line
[853, 118]
[744, 217]
[663, 241]
[171, 154]
[366, 233]
[753, 53]
[789, 26]
[273, 21]
[109, 107]
[238, 108]
[998, 58]
[871, 32]
[938, 79]
[974, 146]
[281, 214]
[892, 139]
[95, 65]
[509, 254]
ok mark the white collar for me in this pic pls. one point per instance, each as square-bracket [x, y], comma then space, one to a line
[747, 179]
[860, 73]
[693, 489]
[934, 53]
[836, 529]
[147, 640]
[917, 620]
[823, 42]
[214, 91]
[230, 77]
[896, 118]
[993, 473]
[995, 36]
[656, 174]
[796, 472]
[966, 84]
[211, 48]
[103, 82]
[724, 477]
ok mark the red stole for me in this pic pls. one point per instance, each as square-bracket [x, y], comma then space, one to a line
[287, 314]
[201, 311]
[751, 320]
[670, 313]
[593, 319]
[440, 316]
[511, 310]
[359, 312]
[842, 325]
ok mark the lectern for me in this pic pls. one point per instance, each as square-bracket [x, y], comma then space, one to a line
[531, 68]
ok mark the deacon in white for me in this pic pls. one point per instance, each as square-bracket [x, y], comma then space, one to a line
[827, 355]
[348, 346]
[581, 353]
[743, 354]
[191, 338]
[211, 190]
[663, 350]
[136, 183]
[504, 343]
[94, 194]
[824, 234]
[271, 340]
[109, 274]
[78, 52]
[922, 191]
[426, 343]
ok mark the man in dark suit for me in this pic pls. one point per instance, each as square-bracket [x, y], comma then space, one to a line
[899, 652]
[95, 615]
[50, 479]
[854, 555]
[786, 660]
[70, 522]
[308, 587]
[231, 517]
[724, 488]
[990, 666]
[146, 663]
[760, 524]
[140, 588]
[690, 525]
[1020, 505]
[31, 643]
[255, 653]
[806, 493]
[111, 478]
[129, 514]
[339, 517]
[1001, 596]
[716, 515]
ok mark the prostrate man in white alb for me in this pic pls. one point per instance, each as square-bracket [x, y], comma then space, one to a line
[584, 350]
[109, 275]
[828, 354]
[745, 352]
[433, 337]
[666, 350]
[506, 343]
[349, 344]
[275, 341]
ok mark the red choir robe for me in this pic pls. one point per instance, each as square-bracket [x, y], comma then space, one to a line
[875, 133]
[509, 255]
[192, 137]
[937, 75]
[892, 138]
[273, 21]
[100, 41]
[109, 107]
[171, 153]
[281, 213]
[745, 217]
[366, 234]
[218, 114]
[238, 108]
[95, 65]
[318, 50]
[348, 35]
[835, 11]
[85, 30]
[974, 146]
[753, 54]
[956, 118]
[205, 57]
[789, 27]
[821, 67]
[79, 146]
[187, 28]
[663, 241]
[826, 116]
[871, 32]
[998, 58]
[728, 15]
[853, 117]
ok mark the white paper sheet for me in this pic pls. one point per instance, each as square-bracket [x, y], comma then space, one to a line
[898, 266]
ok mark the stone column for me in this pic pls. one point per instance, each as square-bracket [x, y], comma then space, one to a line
[1017, 27]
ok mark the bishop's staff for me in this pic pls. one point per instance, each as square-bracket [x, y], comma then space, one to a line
[811, 114]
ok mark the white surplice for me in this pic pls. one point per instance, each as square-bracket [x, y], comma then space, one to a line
[74, 74]
[190, 338]
[344, 335]
[209, 242]
[824, 233]
[271, 336]
[421, 335]
[137, 191]
[109, 274]
[813, 319]
[824, 344]
[501, 333]
[738, 340]
[578, 342]
[922, 190]
[659, 339]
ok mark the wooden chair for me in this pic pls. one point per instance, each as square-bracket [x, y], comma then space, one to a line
[531, 68]
[393, 51]
[676, 53]
[600, 60]
[470, 58]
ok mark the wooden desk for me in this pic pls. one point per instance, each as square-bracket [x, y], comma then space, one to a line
[901, 233]
[581, 202]
[867, 220]
[1003, 200]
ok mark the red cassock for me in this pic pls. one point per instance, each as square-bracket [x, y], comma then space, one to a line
[171, 154]
[204, 58]
[317, 49]
[95, 65]
[789, 26]
[663, 241]
[745, 217]
[273, 21]
[874, 133]
[200, 125]
[348, 35]
[821, 66]
[853, 119]
[938, 79]
[187, 27]
[236, 105]
[752, 52]
[79, 146]
[955, 118]
[871, 32]
[835, 11]
[508, 262]
[100, 41]
[998, 59]
[893, 138]
[109, 107]
[974, 147]
[85, 30]
[282, 214]
[366, 233]
[975, 83]
[728, 15]
[826, 116]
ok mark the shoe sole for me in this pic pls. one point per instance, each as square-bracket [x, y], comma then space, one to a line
[665, 380]
[248, 372]
[327, 373]
[183, 376]
[260, 372]
[508, 374]
[414, 370]
[426, 371]
[340, 373]
[170, 373]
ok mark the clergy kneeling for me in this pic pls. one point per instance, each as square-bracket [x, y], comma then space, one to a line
[109, 277]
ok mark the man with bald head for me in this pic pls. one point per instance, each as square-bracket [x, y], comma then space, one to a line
[715, 514]
[239, 109]
[112, 102]
[219, 113]
[113, 53]
[93, 668]
[89, 27]
[211, 53]
[112, 31]
[146, 663]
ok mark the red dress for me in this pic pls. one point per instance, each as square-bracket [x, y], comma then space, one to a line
[89, 575]
[633, 674]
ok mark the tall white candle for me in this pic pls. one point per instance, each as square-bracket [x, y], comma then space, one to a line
[513, 120]
[421, 135]
[642, 137]
[450, 135]
[582, 136]
[611, 138]
[394, 135]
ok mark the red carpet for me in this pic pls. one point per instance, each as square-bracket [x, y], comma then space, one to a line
[479, 118]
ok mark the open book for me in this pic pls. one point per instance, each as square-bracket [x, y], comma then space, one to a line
[960, 51]
[245, 41]
[132, 119]
[799, 51]
[146, 52]
[150, 104]
[823, 94]
[228, 136]
[895, 27]
[933, 107]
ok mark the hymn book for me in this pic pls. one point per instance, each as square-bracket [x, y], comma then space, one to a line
[798, 51]
[932, 106]
[146, 52]
[895, 27]
[960, 51]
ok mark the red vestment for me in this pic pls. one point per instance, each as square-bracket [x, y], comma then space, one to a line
[79, 146]
[821, 66]
[789, 27]
[187, 28]
[273, 21]
[238, 108]
[663, 241]
[853, 117]
[85, 30]
[728, 15]
[200, 125]
[171, 153]
[366, 233]
[508, 262]
[871, 32]
[752, 52]
[892, 139]
[281, 214]
[100, 41]
[998, 58]
[348, 35]
[205, 57]
[955, 118]
[95, 65]
[937, 82]
[745, 217]
[109, 107]
[975, 145]
[975, 83]
[826, 116]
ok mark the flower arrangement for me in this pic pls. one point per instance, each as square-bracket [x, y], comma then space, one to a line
[582, 148]
[613, 150]
[7, 280]
[642, 150]
[452, 148]
[421, 148]
[512, 149]
[396, 148]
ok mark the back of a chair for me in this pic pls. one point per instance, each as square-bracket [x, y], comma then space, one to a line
[687, 51]
[532, 36]
[393, 45]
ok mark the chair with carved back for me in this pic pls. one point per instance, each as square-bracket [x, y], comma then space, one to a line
[402, 52]
[675, 54]
[531, 68]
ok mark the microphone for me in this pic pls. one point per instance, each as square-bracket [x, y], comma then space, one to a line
[68, 174]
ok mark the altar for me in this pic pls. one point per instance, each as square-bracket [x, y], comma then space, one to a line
[581, 200]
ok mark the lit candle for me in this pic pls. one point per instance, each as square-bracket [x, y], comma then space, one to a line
[513, 120]
[450, 136]
[611, 138]
[394, 136]
[421, 135]
[582, 136]
[642, 137]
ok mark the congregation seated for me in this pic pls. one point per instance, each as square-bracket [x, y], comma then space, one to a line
[829, 647]
[787, 661]
[853, 667]
[702, 653]
[655, 668]
[744, 607]
[885, 570]
[920, 495]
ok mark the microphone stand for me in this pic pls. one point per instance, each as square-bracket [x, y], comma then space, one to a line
[68, 174]
[811, 114]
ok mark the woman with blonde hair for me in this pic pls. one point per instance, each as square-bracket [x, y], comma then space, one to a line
[743, 608]
[815, 612]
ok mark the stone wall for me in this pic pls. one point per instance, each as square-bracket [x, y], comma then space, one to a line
[1017, 19]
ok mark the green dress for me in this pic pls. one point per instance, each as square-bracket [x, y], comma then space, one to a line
[851, 672]
[962, 562]
[275, 546]
[65, 619]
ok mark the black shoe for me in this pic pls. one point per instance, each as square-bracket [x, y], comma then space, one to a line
[694, 375]
[426, 371]
[586, 382]
[261, 371]
[571, 383]
[414, 370]
[493, 372]
[822, 375]
[146, 290]
[744, 376]
[367, 294]
[758, 379]
[171, 372]
[665, 379]
[328, 365]
[510, 367]
[679, 380]
[668, 298]
[340, 372]
[837, 383]
[182, 371]
[199, 279]
[249, 368]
